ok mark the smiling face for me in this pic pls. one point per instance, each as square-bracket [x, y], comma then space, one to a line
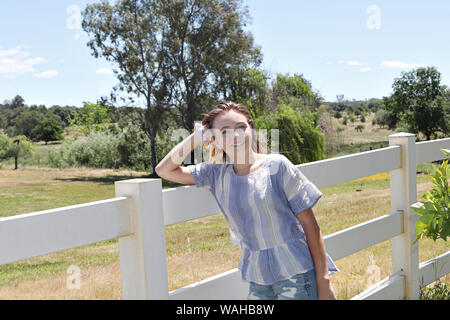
[232, 132]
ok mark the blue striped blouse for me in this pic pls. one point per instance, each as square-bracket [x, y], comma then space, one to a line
[261, 209]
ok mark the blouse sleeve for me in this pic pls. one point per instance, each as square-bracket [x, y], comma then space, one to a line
[203, 174]
[300, 192]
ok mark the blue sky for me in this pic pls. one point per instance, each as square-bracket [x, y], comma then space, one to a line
[350, 47]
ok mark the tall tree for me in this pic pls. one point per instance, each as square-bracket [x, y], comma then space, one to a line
[26, 121]
[300, 139]
[251, 89]
[420, 101]
[173, 54]
[295, 90]
[207, 51]
[17, 101]
[127, 33]
[47, 130]
[91, 117]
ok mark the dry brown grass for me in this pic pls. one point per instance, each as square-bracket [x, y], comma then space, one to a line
[187, 265]
[102, 283]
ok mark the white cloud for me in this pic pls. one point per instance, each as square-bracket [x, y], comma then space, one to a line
[365, 69]
[352, 63]
[47, 74]
[104, 71]
[399, 64]
[328, 62]
[7, 53]
[13, 62]
[383, 64]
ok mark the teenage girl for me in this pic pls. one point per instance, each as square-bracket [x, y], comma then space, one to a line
[267, 202]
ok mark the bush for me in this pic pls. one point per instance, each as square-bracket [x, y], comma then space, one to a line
[129, 148]
[98, 150]
[48, 130]
[164, 142]
[434, 215]
[5, 147]
[439, 291]
[134, 148]
[16, 147]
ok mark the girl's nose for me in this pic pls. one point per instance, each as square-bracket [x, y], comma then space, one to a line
[238, 133]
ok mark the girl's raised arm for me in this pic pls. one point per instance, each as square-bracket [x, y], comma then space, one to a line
[170, 168]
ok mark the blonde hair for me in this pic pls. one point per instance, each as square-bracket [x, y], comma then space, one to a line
[208, 119]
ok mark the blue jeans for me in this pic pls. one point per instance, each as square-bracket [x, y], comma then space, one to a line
[302, 286]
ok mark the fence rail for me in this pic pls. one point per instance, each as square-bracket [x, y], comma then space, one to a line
[34, 234]
[141, 209]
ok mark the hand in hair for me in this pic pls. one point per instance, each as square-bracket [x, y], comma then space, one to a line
[199, 131]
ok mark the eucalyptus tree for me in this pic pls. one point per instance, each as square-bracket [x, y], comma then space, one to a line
[172, 56]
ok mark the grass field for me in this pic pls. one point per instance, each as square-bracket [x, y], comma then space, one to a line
[196, 249]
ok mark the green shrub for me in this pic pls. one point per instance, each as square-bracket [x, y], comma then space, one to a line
[434, 221]
[439, 291]
[134, 148]
[97, 150]
[129, 148]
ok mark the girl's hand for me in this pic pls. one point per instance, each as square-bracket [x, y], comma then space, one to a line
[325, 292]
[199, 131]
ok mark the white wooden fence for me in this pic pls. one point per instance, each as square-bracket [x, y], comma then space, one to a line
[141, 209]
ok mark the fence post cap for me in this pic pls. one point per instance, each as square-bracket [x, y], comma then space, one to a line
[402, 134]
[136, 180]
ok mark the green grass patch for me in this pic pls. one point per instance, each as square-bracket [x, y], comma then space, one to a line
[55, 264]
[38, 197]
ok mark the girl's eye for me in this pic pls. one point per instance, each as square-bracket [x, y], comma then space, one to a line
[243, 126]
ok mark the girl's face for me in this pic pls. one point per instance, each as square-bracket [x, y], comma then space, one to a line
[231, 132]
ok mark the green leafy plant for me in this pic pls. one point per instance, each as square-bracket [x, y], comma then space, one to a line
[440, 291]
[434, 221]
[91, 117]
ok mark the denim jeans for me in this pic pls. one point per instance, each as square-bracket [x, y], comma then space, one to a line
[302, 286]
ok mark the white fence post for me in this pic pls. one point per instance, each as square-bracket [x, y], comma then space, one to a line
[143, 264]
[404, 193]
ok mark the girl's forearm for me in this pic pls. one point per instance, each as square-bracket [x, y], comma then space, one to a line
[318, 253]
[317, 248]
[176, 156]
[315, 243]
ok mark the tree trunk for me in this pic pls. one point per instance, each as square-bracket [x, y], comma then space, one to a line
[153, 148]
